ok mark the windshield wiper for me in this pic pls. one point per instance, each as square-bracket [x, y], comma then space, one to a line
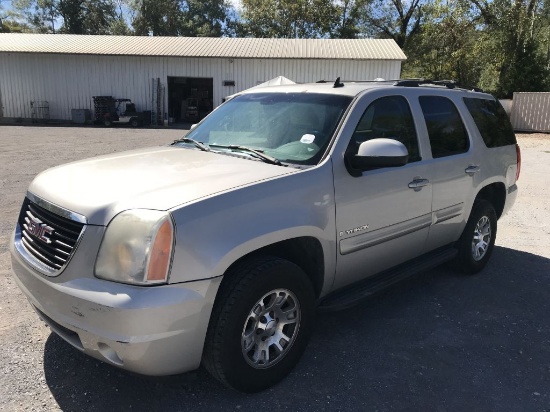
[262, 156]
[198, 144]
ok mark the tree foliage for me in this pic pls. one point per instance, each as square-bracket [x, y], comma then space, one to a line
[350, 19]
[399, 20]
[202, 18]
[288, 18]
[445, 46]
[514, 32]
[70, 16]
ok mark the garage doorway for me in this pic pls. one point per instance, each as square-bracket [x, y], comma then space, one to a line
[189, 98]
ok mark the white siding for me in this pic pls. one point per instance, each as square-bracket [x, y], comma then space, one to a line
[69, 81]
[531, 112]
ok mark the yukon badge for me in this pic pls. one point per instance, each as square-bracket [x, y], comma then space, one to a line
[352, 231]
[39, 230]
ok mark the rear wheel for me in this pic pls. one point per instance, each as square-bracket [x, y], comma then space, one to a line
[107, 122]
[478, 239]
[134, 122]
[260, 324]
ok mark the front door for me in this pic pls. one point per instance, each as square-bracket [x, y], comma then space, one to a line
[382, 216]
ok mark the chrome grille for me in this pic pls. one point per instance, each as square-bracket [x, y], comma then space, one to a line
[46, 239]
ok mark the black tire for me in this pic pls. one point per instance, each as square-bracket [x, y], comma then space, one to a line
[134, 122]
[472, 259]
[107, 123]
[242, 290]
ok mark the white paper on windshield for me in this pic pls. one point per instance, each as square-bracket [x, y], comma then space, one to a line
[307, 138]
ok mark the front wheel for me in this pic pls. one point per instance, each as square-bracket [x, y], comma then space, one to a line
[260, 324]
[478, 239]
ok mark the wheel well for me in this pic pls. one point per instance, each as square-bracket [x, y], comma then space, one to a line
[496, 194]
[305, 252]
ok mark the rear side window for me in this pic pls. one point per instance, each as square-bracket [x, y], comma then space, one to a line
[492, 121]
[446, 131]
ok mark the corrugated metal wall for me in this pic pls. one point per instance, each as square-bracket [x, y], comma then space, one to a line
[69, 81]
[531, 112]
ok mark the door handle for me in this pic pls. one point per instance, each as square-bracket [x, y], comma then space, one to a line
[418, 183]
[472, 170]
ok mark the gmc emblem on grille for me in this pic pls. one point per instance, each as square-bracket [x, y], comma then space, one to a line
[40, 230]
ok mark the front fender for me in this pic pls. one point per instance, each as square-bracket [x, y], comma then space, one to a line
[215, 232]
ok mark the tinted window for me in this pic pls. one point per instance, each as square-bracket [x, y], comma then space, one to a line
[492, 121]
[445, 128]
[388, 117]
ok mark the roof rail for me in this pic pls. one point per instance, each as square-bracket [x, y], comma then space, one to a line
[449, 84]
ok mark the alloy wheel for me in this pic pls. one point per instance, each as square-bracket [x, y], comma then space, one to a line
[481, 239]
[270, 328]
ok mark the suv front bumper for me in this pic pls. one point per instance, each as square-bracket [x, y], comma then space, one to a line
[157, 330]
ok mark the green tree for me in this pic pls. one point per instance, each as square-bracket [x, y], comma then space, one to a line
[445, 45]
[42, 15]
[157, 17]
[289, 18]
[351, 14]
[69, 16]
[516, 57]
[206, 18]
[399, 20]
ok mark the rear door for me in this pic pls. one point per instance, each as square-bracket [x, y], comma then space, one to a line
[452, 167]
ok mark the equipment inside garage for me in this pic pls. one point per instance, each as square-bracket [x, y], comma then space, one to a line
[189, 98]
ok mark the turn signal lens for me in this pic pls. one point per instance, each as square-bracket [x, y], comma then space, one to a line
[137, 248]
[159, 260]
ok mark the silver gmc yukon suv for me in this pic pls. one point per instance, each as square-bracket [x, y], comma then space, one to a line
[219, 248]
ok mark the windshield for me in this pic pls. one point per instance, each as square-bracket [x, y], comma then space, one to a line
[291, 127]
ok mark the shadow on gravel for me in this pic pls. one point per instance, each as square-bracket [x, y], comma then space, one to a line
[440, 341]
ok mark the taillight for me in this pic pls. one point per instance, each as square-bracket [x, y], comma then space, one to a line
[518, 153]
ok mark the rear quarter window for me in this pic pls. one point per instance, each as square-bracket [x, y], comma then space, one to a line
[492, 121]
[446, 131]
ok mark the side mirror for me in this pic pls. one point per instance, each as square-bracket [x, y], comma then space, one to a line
[379, 153]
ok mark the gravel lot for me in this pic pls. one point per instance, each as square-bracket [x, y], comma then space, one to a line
[439, 342]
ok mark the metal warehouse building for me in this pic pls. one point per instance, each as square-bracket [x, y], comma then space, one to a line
[167, 74]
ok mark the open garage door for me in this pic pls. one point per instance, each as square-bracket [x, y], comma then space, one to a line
[189, 98]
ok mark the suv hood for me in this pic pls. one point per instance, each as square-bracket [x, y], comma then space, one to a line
[153, 178]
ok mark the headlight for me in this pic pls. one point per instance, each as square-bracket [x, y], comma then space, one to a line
[137, 248]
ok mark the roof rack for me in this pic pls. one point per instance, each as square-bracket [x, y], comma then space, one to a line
[336, 84]
[449, 84]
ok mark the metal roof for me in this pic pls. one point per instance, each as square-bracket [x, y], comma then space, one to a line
[347, 49]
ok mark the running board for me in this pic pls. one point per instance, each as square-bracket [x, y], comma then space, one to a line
[355, 293]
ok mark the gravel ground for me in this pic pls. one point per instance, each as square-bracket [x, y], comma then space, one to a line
[438, 342]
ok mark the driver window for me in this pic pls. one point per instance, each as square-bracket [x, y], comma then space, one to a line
[391, 118]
